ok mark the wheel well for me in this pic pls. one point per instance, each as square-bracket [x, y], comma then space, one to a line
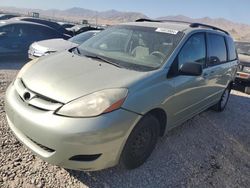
[161, 116]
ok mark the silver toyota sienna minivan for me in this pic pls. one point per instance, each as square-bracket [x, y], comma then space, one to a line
[109, 100]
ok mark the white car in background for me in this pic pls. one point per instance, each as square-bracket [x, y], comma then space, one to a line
[46, 47]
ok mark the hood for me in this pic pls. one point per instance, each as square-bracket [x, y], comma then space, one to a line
[53, 45]
[64, 76]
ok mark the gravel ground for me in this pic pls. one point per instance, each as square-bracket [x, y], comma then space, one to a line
[210, 150]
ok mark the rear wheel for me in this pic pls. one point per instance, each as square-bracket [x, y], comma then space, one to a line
[141, 142]
[247, 90]
[221, 105]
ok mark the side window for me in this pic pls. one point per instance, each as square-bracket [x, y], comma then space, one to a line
[46, 33]
[194, 50]
[24, 31]
[217, 49]
[15, 30]
[231, 49]
[9, 30]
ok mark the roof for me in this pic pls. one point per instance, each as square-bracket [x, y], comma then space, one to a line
[175, 25]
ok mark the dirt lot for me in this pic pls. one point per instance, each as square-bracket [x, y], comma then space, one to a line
[210, 150]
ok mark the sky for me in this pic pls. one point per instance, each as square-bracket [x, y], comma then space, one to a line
[234, 10]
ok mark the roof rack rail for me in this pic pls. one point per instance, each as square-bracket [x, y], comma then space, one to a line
[151, 20]
[208, 26]
[177, 21]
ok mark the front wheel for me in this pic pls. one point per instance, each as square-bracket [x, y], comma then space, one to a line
[221, 105]
[141, 142]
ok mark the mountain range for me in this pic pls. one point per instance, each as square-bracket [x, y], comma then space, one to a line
[239, 31]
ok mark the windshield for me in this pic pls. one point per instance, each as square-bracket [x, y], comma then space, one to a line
[79, 39]
[133, 47]
[243, 47]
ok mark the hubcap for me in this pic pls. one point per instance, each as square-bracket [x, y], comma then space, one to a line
[141, 142]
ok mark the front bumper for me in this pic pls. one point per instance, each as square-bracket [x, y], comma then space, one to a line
[56, 139]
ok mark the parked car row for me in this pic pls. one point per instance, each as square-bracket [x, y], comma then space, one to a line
[18, 33]
[17, 36]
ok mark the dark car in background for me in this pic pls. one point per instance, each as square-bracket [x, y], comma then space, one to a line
[17, 36]
[7, 16]
[48, 23]
[243, 75]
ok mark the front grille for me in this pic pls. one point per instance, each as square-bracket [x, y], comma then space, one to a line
[42, 146]
[36, 100]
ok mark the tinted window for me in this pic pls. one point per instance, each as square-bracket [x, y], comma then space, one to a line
[46, 33]
[16, 30]
[217, 49]
[25, 30]
[194, 50]
[9, 30]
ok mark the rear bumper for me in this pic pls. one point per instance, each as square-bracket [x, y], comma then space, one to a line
[56, 139]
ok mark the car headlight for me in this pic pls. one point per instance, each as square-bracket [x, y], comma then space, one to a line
[26, 67]
[95, 104]
[246, 69]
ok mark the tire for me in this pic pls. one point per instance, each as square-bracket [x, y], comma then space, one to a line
[221, 105]
[140, 143]
[247, 90]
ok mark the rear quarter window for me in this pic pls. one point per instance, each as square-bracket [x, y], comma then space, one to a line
[231, 49]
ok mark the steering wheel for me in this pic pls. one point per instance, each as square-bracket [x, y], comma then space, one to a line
[158, 54]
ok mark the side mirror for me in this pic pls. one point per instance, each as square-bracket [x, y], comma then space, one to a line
[191, 69]
[214, 60]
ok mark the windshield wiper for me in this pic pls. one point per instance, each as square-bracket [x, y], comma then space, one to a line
[102, 59]
[78, 50]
